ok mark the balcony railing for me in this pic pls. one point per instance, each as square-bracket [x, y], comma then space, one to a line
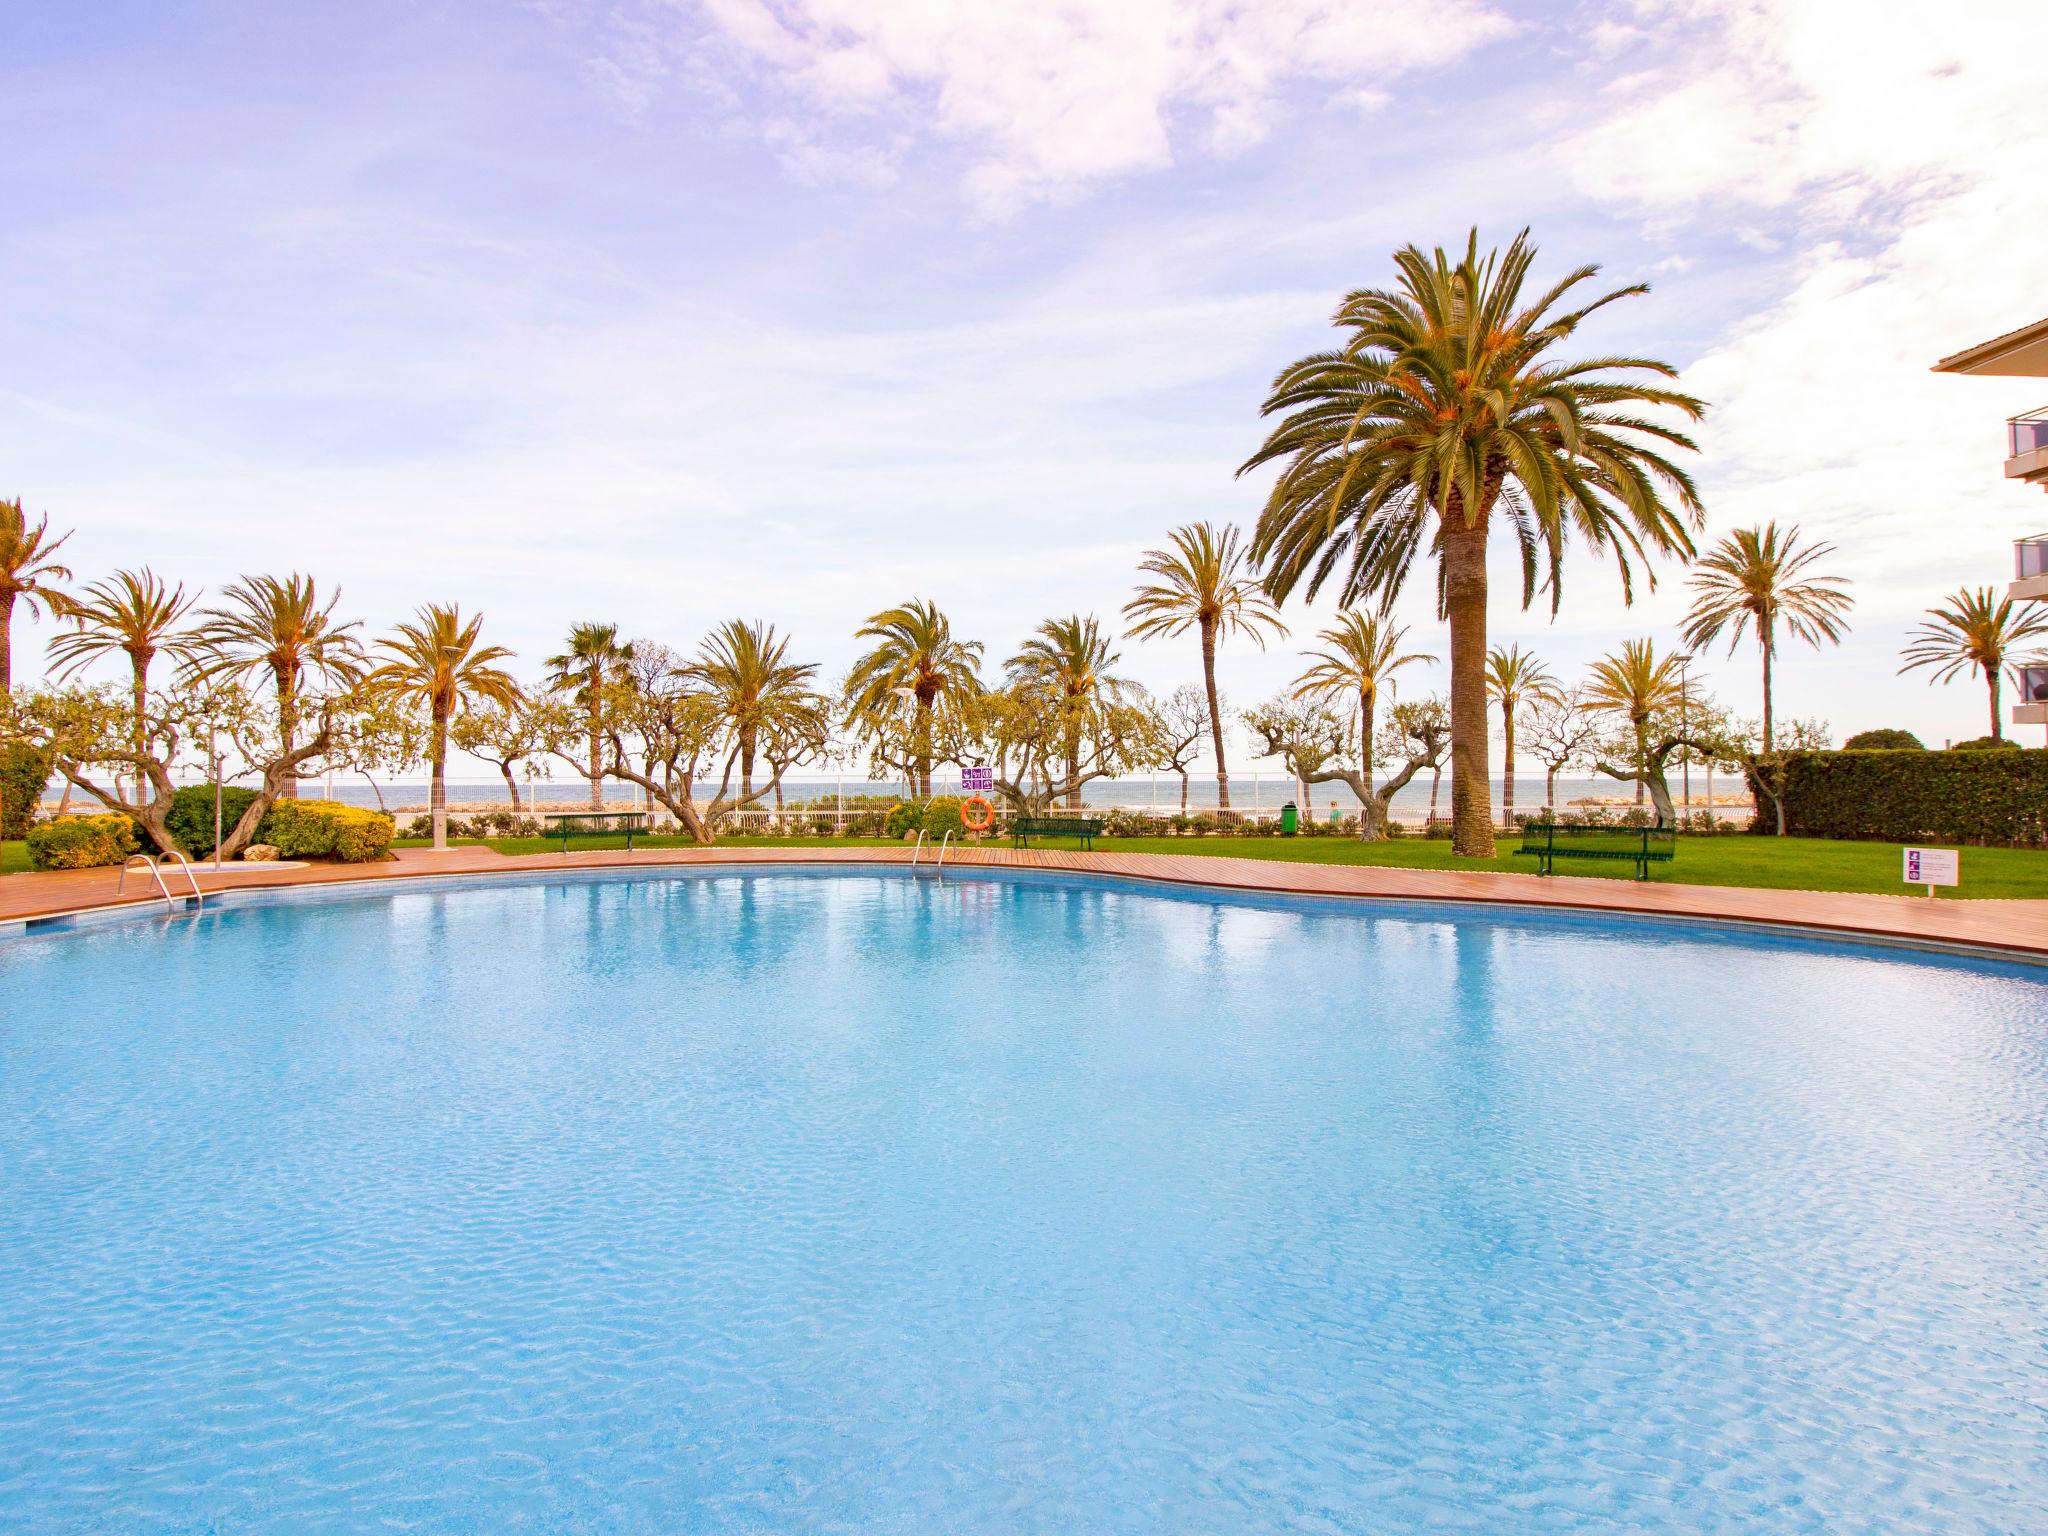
[2027, 434]
[2030, 557]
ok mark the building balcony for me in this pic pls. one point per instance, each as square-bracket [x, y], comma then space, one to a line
[2032, 708]
[2026, 448]
[2029, 569]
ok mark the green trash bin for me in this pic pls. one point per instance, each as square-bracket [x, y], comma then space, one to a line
[1290, 819]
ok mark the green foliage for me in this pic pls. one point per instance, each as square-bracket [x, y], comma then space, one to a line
[24, 773]
[942, 815]
[902, 820]
[1980, 797]
[327, 829]
[1985, 744]
[1884, 740]
[81, 842]
[190, 818]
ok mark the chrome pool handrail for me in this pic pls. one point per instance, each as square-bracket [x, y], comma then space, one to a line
[191, 879]
[154, 874]
[914, 852]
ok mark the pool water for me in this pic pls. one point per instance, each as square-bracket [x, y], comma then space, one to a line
[860, 1203]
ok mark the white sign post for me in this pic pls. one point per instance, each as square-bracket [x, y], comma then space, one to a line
[1933, 866]
[977, 781]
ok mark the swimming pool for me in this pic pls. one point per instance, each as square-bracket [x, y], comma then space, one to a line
[729, 1201]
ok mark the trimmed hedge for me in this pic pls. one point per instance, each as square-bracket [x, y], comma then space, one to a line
[190, 818]
[1994, 799]
[327, 829]
[1884, 739]
[24, 775]
[81, 842]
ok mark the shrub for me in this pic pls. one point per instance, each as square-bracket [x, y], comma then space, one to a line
[902, 820]
[1885, 740]
[327, 829]
[190, 818]
[942, 815]
[81, 842]
[24, 774]
[1980, 797]
[1985, 744]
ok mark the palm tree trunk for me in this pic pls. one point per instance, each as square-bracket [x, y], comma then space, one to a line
[6, 641]
[1997, 725]
[922, 727]
[1215, 716]
[747, 740]
[139, 697]
[287, 726]
[1764, 633]
[511, 784]
[1436, 778]
[1550, 788]
[1639, 762]
[1183, 791]
[1464, 567]
[1368, 812]
[1507, 766]
[595, 731]
[437, 787]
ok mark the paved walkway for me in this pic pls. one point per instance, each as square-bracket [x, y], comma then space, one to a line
[2020, 927]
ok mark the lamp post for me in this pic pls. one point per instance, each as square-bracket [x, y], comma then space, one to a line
[1684, 660]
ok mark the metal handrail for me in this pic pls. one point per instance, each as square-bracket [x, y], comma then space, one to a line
[944, 842]
[154, 874]
[914, 852]
[198, 896]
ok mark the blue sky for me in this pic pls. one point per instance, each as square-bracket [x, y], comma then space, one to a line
[664, 311]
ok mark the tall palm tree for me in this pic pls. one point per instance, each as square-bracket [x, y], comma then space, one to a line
[593, 661]
[28, 574]
[133, 614]
[1203, 585]
[1977, 630]
[1363, 656]
[1758, 576]
[1513, 678]
[278, 632]
[1635, 682]
[746, 670]
[437, 662]
[1069, 661]
[1446, 411]
[914, 657]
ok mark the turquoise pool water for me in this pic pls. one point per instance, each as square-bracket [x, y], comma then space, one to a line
[864, 1204]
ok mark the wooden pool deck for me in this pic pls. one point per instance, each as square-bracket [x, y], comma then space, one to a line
[2018, 928]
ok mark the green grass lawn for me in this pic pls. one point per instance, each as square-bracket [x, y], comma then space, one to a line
[1791, 863]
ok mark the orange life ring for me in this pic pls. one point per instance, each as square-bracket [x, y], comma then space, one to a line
[985, 821]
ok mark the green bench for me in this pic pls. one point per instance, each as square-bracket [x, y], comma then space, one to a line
[568, 824]
[1025, 828]
[1640, 846]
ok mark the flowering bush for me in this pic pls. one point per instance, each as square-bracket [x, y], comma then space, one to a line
[81, 842]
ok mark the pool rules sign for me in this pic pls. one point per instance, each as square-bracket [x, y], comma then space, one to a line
[977, 781]
[1933, 866]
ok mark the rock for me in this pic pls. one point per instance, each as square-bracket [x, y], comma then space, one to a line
[259, 853]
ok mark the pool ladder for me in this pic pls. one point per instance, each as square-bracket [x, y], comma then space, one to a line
[156, 873]
[939, 864]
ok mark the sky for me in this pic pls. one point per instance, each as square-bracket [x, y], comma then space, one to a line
[663, 312]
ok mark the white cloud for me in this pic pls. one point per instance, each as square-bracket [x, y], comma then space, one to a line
[1890, 157]
[1051, 98]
